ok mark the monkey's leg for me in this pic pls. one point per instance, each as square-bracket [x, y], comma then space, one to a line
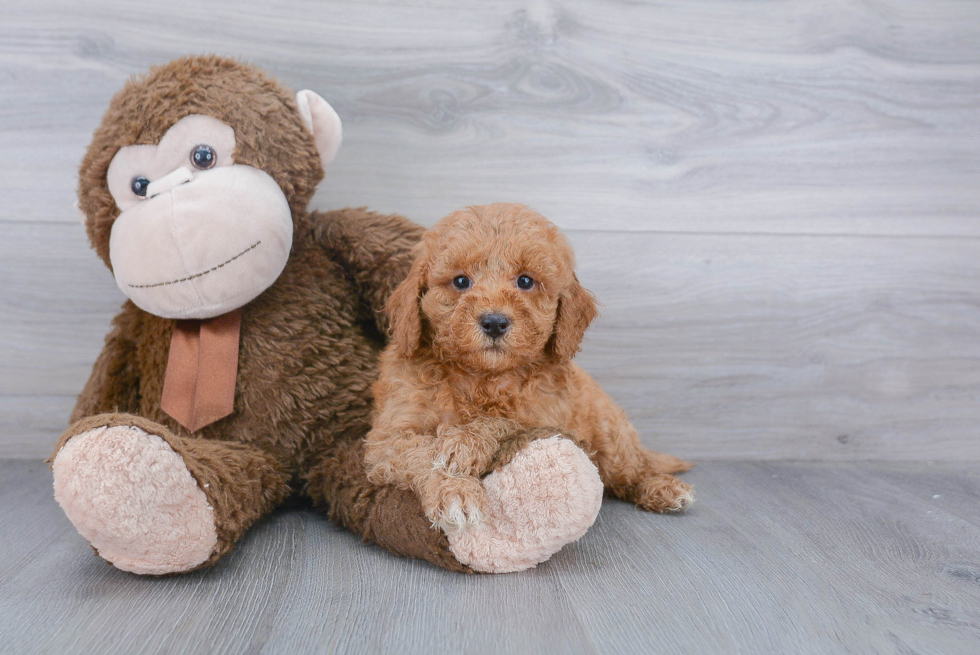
[151, 502]
[543, 493]
[385, 514]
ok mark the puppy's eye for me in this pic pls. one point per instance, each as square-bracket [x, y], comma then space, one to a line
[203, 156]
[139, 185]
[461, 282]
[525, 282]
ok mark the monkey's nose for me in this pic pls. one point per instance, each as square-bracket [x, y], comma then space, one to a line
[494, 325]
[169, 181]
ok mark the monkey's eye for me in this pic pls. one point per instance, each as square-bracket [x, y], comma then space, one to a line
[461, 282]
[139, 185]
[525, 282]
[203, 156]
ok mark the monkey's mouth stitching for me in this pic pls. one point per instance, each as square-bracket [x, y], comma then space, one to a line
[196, 275]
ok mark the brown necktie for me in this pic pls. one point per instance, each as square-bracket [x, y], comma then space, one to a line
[199, 387]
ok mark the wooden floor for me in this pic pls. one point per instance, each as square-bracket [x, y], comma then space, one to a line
[773, 558]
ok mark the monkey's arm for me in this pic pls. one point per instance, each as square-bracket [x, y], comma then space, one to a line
[375, 249]
[114, 382]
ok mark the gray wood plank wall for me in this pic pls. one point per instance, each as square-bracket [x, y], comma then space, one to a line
[777, 202]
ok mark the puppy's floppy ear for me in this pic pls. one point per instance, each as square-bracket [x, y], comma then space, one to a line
[404, 313]
[577, 308]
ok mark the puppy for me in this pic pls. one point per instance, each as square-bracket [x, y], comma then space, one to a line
[484, 330]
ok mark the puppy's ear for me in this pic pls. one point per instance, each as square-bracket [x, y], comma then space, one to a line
[404, 313]
[577, 308]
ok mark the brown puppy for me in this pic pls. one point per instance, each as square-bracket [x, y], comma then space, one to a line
[484, 331]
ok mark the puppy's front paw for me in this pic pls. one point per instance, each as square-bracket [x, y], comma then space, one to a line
[455, 504]
[664, 493]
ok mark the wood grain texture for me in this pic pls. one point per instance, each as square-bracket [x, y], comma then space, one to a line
[776, 201]
[773, 558]
[718, 346]
[834, 116]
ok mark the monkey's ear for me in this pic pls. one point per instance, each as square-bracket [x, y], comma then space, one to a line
[320, 119]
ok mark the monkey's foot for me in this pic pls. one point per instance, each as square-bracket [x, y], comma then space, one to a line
[131, 496]
[547, 496]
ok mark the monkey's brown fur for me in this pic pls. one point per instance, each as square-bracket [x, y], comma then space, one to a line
[309, 344]
[448, 392]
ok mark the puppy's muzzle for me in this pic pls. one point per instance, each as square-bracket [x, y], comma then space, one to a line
[494, 325]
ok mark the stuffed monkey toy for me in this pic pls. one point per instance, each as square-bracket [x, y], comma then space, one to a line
[239, 370]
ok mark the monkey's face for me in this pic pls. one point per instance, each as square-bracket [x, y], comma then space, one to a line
[198, 235]
[192, 182]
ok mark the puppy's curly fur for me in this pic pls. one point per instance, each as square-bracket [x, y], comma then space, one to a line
[453, 384]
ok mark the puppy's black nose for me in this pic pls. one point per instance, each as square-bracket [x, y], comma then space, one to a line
[494, 325]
